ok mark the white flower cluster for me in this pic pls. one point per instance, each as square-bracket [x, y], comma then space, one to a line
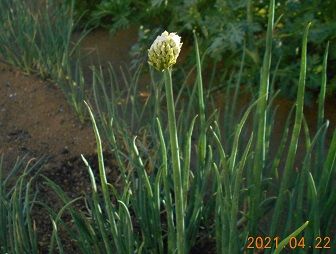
[164, 51]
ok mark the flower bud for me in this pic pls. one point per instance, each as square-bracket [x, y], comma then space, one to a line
[164, 51]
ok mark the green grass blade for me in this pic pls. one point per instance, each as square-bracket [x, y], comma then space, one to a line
[259, 157]
[187, 158]
[288, 170]
[167, 195]
[285, 241]
[321, 102]
[321, 98]
[97, 209]
[238, 176]
[202, 137]
[328, 167]
[54, 234]
[107, 201]
[281, 149]
[141, 166]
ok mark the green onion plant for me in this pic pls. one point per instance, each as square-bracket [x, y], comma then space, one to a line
[190, 173]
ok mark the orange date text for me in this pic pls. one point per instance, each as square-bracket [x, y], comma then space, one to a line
[267, 242]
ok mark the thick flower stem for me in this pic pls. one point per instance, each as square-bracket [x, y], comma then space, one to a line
[174, 147]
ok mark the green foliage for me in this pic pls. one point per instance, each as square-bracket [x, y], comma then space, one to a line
[227, 27]
[295, 15]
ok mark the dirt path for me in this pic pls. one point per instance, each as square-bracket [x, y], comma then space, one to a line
[35, 119]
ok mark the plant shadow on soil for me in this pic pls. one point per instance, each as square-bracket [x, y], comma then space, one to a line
[36, 119]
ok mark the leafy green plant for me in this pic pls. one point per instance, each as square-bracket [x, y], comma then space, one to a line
[226, 28]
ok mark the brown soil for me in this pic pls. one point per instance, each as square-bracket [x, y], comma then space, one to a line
[103, 48]
[35, 119]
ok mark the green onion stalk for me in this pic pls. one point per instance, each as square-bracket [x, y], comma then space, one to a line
[162, 56]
